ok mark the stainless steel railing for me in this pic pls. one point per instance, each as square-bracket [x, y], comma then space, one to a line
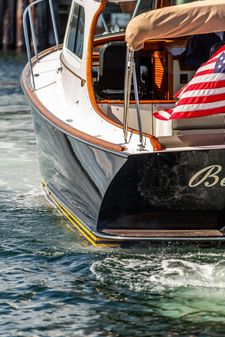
[130, 74]
[28, 13]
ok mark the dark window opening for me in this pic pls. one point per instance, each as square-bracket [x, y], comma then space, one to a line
[75, 39]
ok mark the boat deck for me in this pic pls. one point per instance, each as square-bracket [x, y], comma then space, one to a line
[51, 94]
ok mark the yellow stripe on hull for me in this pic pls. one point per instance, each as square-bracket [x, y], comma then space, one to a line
[95, 241]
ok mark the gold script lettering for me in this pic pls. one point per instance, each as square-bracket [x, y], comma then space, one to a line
[202, 176]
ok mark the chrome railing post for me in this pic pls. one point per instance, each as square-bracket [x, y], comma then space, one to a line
[137, 106]
[136, 8]
[27, 42]
[54, 23]
[127, 90]
[104, 23]
[26, 35]
[33, 33]
[129, 74]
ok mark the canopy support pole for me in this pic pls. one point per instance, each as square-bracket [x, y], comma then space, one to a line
[129, 74]
[127, 89]
[138, 107]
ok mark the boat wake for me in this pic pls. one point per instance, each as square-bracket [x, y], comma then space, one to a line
[190, 287]
[155, 275]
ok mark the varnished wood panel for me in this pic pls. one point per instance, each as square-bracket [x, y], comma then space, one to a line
[164, 233]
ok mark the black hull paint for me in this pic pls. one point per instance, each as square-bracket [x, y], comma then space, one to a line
[77, 173]
[108, 190]
[154, 192]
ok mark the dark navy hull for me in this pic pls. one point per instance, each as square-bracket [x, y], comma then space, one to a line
[111, 193]
[168, 191]
[75, 172]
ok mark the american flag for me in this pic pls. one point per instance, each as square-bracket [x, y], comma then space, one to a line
[204, 95]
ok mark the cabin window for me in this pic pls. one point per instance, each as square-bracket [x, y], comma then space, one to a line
[75, 40]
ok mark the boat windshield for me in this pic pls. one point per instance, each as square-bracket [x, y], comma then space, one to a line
[117, 14]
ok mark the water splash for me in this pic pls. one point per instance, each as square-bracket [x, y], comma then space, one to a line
[154, 274]
[189, 287]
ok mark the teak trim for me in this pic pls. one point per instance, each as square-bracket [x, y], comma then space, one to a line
[103, 39]
[89, 66]
[179, 233]
[30, 93]
[63, 61]
[149, 101]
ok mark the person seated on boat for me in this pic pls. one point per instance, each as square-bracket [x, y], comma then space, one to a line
[198, 48]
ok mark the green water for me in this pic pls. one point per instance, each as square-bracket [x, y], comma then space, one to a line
[53, 284]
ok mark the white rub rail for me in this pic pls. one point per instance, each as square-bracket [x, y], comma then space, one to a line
[28, 13]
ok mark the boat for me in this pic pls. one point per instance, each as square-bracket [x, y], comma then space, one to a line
[119, 175]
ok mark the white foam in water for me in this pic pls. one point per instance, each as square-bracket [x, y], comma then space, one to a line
[157, 275]
[191, 290]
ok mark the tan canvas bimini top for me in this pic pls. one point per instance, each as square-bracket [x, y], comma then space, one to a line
[198, 17]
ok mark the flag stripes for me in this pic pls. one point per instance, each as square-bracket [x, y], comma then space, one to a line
[204, 95]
